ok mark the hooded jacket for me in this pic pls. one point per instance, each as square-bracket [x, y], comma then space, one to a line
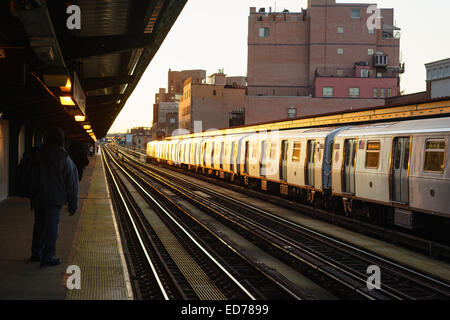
[58, 182]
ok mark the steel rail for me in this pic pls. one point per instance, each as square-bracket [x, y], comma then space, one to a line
[149, 260]
[217, 263]
[249, 207]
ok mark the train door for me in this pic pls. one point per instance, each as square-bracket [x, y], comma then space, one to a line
[222, 151]
[246, 157]
[212, 155]
[239, 156]
[195, 153]
[204, 154]
[232, 156]
[189, 161]
[262, 159]
[400, 161]
[350, 146]
[283, 160]
[310, 162]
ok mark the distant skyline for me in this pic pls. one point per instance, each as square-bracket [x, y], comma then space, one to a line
[212, 34]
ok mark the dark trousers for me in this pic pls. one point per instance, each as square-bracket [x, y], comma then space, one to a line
[45, 231]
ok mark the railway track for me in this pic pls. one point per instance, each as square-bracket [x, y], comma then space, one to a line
[184, 260]
[419, 244]
[318, 255]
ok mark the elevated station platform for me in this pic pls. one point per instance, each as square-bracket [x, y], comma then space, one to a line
[89, 240]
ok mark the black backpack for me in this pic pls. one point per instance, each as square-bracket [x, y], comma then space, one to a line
[28, 173]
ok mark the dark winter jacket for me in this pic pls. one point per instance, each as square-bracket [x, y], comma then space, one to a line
[58, 182]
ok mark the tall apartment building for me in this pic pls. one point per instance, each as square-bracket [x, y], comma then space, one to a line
[320, 60]
[165, 108]
[218, 103]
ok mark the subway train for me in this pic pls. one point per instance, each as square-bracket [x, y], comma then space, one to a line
[385, 173]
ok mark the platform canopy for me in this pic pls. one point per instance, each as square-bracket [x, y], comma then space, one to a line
[60, 59]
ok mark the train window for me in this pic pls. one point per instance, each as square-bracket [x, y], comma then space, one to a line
[254, 150]
[347, 158]
[398, 154]
[373, 154]
[273, 150]
[406, 156]
[434, 155]
[296, 152]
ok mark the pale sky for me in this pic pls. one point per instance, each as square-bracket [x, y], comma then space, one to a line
[212, 34]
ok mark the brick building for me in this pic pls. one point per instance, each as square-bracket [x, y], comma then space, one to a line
[176, 79]
[138, 137]
[298, 62]
[219, 103]
[165, 108]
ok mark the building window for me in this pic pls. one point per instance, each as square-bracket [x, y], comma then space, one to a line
[340, 72]
[382, 93]
[434, 155]
[375, 92]
[370, 52]
[379, 75]
[373, 154]
[292, 113]
[389, 92]
[353, 92]
[327, 91]
[340, 50]
[296, 152]
[264, 32]
[355, 13]
[340, 29]
[371, 31]
[172, 120]
[214, 92]
[364, 73]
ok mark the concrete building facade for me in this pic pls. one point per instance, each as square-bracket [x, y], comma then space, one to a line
[219, 103]
[326, 51]
[438, 78]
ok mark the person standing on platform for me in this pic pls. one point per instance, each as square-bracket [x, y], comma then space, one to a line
[79, 154]
[58, 185]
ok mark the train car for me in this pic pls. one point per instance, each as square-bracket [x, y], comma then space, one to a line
[403, 165]
[395, 172]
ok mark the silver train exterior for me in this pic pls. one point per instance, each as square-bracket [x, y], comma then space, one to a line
[398, 169]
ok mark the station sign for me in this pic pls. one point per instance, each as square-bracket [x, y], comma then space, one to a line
[78, 94]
